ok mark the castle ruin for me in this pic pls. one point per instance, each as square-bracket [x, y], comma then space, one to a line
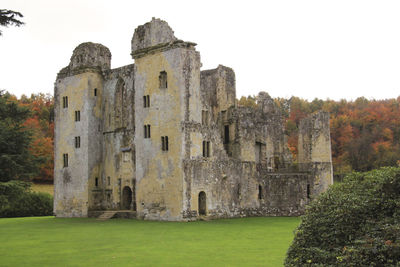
[166, 141]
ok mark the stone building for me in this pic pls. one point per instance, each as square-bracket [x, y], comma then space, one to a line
[166, 141]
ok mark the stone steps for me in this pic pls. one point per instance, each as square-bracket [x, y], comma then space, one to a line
[106, 215]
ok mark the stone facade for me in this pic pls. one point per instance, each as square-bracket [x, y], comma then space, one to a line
[164, 139]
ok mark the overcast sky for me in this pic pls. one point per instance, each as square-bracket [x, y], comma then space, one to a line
[326, 49]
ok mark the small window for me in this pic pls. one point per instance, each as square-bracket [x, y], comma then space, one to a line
[163, 80]
[109, 180]
[164, 143]
[226, 134]
[77, 141]
[65, 101]
[77, 115]
[147, 131]
[260, 194]
[146, 101]
[308, 191]
[65, 158]
[96, 182]
[95, 91]
[206, 149]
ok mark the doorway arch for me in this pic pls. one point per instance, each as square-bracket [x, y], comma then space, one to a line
[126, 198]
[202, 203]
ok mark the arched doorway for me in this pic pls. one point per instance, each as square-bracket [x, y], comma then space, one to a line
[202, 203]
[126, 198]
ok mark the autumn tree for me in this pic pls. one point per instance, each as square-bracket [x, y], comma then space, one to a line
[16, 159]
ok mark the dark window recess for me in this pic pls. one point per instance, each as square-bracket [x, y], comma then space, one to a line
[65, 158]
[108, 180]
[77, 141]
[260, 194]
[164, 143]
[147, 131]
[308, 191]
[146, 101]
[77, 115]
[95, 91]
[163, 79]
[226, 134]
[206, 149]
[96, 182]
[65, 101]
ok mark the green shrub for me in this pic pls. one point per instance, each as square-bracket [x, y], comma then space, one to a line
[16, 200]
[354, 223]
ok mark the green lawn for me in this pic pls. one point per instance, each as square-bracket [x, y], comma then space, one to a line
[49, 241]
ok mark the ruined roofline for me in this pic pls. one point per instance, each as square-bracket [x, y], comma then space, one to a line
[212, 71]
[162, 47]
[155, 36]
[87, 57]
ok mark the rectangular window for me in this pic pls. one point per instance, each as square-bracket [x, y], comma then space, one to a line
[163, 80]
[95, 91]
[147, 131]
[164, 143]
[206, 149]
[146, 101]
[65, 158]
[226, 134]
[108, 180]
[96, 182]
[65, 101]
[77, 115]
[77, 141]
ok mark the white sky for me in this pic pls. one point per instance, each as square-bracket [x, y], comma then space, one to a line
[327, 49]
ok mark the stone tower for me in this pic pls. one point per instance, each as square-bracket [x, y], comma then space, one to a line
[77, 152]
[167, 81]
[315, 150]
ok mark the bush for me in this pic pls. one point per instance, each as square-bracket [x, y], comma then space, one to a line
[354, 223]
[16, 200]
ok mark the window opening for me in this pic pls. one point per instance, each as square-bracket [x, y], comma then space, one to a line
[96, 182]
[206, 149]
[163, 80]
[308, 191]
[77, 141]
[146, 101]
[65, 158]
[108, 180]
[95, 91]
[226, 135]
[260, 194]
[147, 131]
[164, 143]
[65, 101]
[77, 115]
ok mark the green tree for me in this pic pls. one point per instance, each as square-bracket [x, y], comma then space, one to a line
[16, 160]
[354, 223]
[9, 17]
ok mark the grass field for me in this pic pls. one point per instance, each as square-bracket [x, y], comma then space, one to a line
[46, 188]
[49, 241]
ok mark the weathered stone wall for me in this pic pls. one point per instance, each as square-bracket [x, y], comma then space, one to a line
[237, 189]
[315, 150]
[118, 165]
[159, 175]
[72, 182]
